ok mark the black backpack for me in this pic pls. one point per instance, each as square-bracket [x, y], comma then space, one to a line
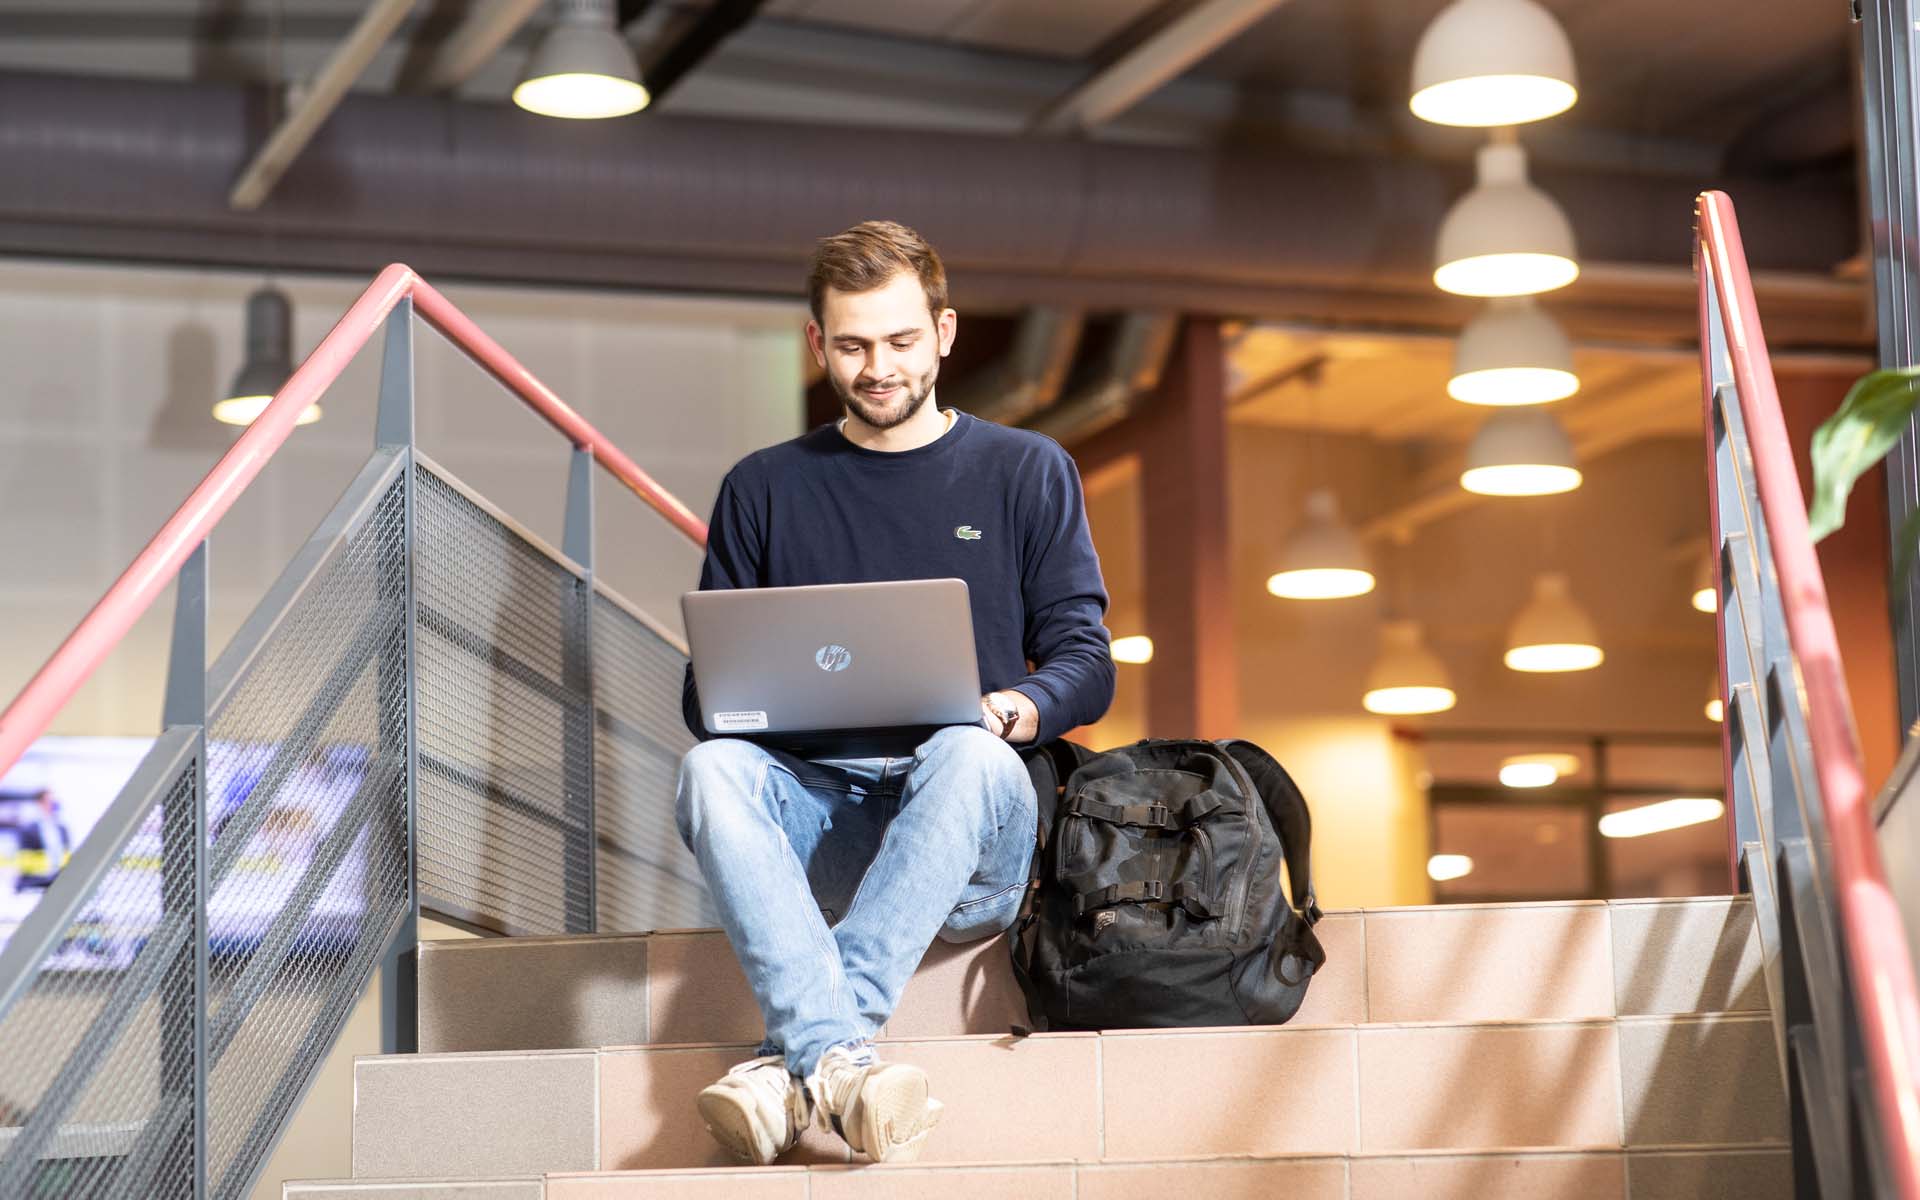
[1155, 896]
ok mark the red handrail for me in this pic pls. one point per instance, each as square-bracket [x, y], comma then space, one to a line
[1876, 943]
[33, 710]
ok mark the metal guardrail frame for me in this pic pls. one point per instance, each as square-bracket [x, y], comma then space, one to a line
[1838, 970]
[191, 1040]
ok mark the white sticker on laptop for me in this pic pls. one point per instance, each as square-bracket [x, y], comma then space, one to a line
[733, 722]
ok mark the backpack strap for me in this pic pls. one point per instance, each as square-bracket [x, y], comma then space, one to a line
[1287, 809]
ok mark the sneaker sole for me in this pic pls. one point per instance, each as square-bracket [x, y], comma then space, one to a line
[732, 1124]
[896, 1114]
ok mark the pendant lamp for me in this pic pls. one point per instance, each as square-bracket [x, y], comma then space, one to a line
[1552, 633]
[269, 361]
[582, 69]
[1407, 678]
[1492, 62]
[1512, 354]
[1520, 452]
[1505, 237]
[1323, 559]
[1706, 592]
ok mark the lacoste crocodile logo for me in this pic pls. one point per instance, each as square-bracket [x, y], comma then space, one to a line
[967, 533]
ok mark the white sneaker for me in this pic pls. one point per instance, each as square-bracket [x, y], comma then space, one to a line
[881, 1109]
[757, 1110]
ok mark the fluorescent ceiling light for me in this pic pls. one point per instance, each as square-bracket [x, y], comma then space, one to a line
[1537, 770]
[1660, 817]
[1492, 62]
[1135, 649]
[1442, 867]
[1512, 354]
[1505, 237]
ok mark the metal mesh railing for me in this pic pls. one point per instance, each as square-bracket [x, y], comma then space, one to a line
[97, 1091]
[307, 806]
[647, 878]
[428, 705]
[504, 756]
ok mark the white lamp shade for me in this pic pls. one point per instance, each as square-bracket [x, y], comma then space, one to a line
[1512, 354]
[1323, 559]
[1492, 62]
[1407, 679]
[1505, 237]
[1520, 452]
[1552, 633]
[582, 69]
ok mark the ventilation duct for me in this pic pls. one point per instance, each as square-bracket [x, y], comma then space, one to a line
[1127, 370]
[1029, 377]
[139, 169]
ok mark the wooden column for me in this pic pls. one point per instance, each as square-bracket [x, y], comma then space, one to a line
[1193, 690]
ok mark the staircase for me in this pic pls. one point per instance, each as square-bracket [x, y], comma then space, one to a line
[1579, 1050]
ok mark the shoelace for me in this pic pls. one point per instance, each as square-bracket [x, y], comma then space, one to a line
[837, 1077]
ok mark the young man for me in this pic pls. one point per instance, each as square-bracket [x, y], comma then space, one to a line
[833, 876]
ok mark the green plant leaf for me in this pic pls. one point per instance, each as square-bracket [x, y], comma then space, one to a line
[1859, 434]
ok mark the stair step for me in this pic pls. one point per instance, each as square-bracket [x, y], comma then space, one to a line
[1719, 1173]
[1623, 1083]
[1542, 961]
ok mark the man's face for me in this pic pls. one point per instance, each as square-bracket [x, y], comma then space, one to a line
[881, 349]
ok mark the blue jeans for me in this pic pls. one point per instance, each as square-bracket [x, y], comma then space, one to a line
[833, 876]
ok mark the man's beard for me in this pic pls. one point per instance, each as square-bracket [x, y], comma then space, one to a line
[879, 418]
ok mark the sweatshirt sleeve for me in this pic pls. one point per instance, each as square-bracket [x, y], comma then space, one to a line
[735, 550]
[1066, 603]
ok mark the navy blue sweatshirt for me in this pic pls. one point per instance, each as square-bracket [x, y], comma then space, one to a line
[820, 509]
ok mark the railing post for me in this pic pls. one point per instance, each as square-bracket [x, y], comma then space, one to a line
[1890, 152]
[400, 731]
[582, 711]
[184, 856]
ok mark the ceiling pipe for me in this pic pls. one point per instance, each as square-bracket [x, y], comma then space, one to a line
[1130, 368]
[1029, 377]
[315, 102]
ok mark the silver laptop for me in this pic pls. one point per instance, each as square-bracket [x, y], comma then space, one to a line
[844, 669]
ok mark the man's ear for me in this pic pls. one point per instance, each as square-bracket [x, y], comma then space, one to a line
[948, 325]
[817, 342]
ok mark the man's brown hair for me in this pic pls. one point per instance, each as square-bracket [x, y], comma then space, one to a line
[866, 256]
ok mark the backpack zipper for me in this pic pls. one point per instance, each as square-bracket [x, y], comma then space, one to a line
[1237, 913]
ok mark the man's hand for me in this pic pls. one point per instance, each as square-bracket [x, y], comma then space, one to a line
[1026, 728]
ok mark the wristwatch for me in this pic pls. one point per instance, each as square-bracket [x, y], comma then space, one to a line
[1006, 710]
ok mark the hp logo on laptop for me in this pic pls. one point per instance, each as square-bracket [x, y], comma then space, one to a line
[833, 658]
